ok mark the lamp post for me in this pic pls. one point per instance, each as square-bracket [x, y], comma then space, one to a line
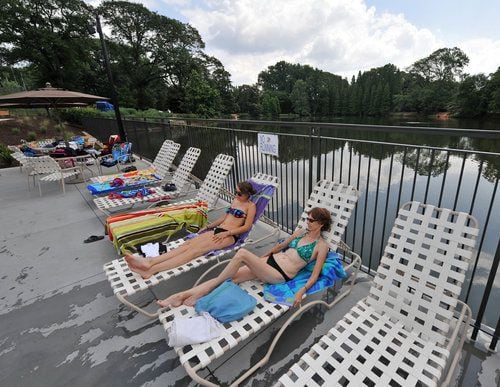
[114, 96]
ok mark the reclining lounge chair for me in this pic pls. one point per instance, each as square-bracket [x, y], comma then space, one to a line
[180, 179]
[340, 201]
[47, 169]
[126, 283]
[160, 166]
[404, 332]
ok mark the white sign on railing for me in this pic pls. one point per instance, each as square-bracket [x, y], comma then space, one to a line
[268, 144]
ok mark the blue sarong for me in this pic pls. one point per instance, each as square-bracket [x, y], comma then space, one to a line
[284, 293]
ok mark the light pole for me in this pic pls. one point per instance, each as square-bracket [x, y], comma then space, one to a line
[114, 96]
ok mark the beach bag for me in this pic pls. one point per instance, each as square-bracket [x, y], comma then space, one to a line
[227, 302]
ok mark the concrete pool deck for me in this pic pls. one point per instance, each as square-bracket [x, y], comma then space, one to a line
[61, 324]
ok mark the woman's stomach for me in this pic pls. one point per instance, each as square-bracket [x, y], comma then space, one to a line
[289, 261]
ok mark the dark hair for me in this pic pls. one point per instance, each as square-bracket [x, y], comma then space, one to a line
[321, 215]
[246, 188]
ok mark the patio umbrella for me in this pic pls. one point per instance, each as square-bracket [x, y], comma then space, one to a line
[49, 97]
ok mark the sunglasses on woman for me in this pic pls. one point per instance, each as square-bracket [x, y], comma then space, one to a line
[311, 220]
[239, 193]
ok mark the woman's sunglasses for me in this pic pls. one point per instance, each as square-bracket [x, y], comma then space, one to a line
[311, 220]
[239, 193]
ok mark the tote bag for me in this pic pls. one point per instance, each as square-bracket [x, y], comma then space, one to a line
[227, 302]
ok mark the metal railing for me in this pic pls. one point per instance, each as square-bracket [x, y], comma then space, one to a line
[387, 173]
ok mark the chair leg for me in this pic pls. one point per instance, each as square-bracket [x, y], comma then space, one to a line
[39, 187]
[63, 186]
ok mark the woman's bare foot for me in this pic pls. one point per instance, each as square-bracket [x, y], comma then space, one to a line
[192, 298]
[137, 263]
[174, 300]
[143, 273]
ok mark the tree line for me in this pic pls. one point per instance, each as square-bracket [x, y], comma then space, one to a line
[159, 62]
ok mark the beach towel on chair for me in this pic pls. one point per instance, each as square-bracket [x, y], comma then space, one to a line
[129, 230]
[284, 293]
[131, 180]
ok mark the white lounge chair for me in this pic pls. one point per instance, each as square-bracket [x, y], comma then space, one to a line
[18, 156]
[126, 283]
[161, 164]
[340, 201]
[47, 169]
[404, 333]
[180, 179]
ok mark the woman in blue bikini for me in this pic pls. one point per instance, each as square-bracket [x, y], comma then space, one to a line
[222, 233]
[276, 266]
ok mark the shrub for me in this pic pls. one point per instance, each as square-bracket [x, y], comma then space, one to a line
[16, 130]
[75, 115]
[59, 128]
[31, 136]
[42, 129]
[5, 157]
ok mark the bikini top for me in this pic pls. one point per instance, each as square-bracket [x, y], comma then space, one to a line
[236, 212]
[305, 251]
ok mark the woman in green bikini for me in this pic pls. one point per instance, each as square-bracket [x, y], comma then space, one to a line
[276, 266]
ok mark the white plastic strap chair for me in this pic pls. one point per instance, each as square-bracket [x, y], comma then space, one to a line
[405, 331]
[18, 156]
[126, 283]
[340, 201]
[48, 169]
[165, 157]
[208, 192]
[161, 164]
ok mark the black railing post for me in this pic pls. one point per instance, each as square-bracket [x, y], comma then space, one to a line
[318, 159]
[163, 130]
[494, 341]
[114, 94]
[138, 143]
[311, 142]
[234, 145]
[486, 294]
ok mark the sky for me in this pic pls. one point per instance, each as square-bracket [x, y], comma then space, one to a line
[339, 36]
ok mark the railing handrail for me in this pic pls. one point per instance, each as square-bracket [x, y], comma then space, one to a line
[464, 132]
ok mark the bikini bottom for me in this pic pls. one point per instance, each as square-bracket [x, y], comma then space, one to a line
[272, 262]
[218, 230]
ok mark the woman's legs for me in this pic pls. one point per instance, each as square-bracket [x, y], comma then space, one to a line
[191, 249]
[256, 267]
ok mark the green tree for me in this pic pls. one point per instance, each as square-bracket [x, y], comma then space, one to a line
[300, 99]
[494, 92]
[471, 99]
[445, 64]
[270, 105]
[247, 99]
[52, 36]
[201, 98]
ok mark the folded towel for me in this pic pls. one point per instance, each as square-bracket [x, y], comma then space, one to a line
[194, 330]
[284, 293]
[151, 249]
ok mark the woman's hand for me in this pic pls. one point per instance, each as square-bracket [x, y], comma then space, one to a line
[220, 236]
[298, 296]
